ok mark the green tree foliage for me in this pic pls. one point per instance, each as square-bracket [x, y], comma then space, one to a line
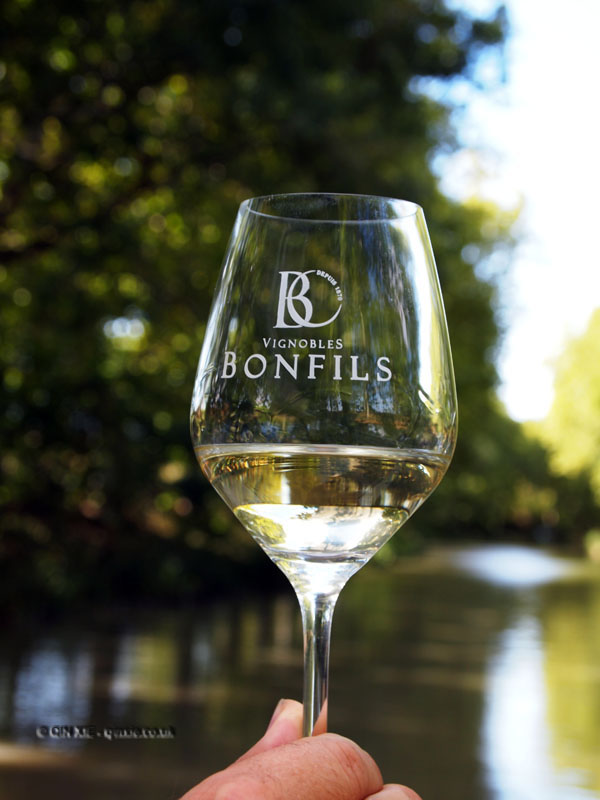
[572, 429]
[129, 133]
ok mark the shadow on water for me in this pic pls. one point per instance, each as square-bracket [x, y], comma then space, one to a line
[471, 673]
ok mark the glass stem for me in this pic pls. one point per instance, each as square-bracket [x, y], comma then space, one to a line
[317, 612]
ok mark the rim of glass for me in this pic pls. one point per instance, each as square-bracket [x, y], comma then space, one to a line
[404, 208]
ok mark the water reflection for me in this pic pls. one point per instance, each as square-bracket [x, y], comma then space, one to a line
[522, 739]
[471, 674]
[51, 683]
[572, 675]
[515, 735]
[515, 566]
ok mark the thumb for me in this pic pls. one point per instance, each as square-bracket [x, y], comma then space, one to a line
[285, 727]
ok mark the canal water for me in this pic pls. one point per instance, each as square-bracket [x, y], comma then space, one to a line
[470, 673]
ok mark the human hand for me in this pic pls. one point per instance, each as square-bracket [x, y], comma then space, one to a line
[284, 766]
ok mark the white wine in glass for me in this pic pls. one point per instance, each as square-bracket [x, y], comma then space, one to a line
[324, 408]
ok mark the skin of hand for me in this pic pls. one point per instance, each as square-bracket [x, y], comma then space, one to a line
[284, 766]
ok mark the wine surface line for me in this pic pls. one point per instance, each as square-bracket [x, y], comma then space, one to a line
[322, 503]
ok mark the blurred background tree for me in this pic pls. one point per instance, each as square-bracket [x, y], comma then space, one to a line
[572, 429]
[128, 136]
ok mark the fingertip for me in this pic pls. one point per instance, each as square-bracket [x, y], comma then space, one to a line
[353, 759]
[285, 727]
[287, 708]
[410, 793]
[394, 791]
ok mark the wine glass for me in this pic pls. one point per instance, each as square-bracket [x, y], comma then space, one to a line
[324, 408]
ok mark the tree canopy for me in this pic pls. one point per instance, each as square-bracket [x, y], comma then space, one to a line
[572, 429]
[129, 133]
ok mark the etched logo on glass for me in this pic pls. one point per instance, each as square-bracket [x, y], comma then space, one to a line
[294, 308]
